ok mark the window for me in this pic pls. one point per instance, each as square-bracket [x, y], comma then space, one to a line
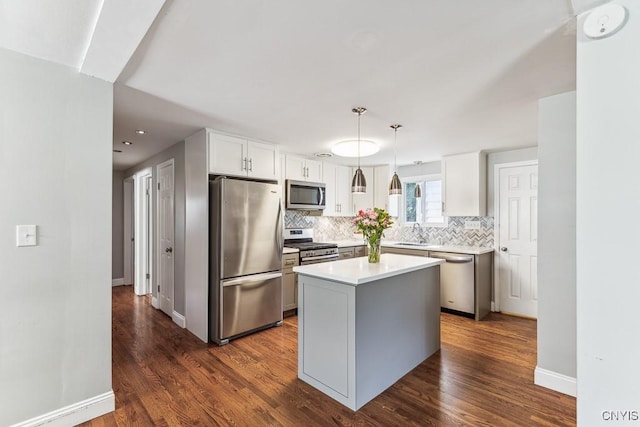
[426, 209]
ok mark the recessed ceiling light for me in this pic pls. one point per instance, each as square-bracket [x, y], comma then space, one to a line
[323, 154]
[127, 142]
[117, 151]
[140, 131]
[350, 148]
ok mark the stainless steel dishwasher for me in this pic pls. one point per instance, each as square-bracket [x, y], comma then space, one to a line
[457, 282]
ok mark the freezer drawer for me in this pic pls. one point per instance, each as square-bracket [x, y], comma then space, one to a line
[250, 302]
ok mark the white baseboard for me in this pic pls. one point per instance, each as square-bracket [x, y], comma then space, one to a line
[117, 282]
[155, 303]
[555, 381]
[75, 414]
[179, 319]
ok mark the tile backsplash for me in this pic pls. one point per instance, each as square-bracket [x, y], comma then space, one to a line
[342, 228]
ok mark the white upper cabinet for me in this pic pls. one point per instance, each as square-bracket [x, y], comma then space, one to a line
[464, 181]
[363, 201]
[377, 194]
[231, 155]
[338, 181]
[381, 181]
[301, 169]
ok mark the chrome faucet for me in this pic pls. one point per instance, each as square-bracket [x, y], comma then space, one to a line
[421, 239]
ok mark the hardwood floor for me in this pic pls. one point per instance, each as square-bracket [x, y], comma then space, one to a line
[164, 376]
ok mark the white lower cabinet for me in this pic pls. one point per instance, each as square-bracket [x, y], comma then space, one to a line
[289, 282]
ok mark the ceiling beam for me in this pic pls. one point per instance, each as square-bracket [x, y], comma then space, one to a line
[119, 30]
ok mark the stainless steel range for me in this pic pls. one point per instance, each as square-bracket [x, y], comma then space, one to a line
[310, 252]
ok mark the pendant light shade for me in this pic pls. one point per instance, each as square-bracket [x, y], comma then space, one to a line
[417, 193]
[395, 186]
[359, 183]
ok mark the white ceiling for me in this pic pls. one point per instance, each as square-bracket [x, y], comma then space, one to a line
[459, 75]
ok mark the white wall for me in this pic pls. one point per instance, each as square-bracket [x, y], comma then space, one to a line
[608, 176]
[55, 171]
[556, 367]
[499, 157]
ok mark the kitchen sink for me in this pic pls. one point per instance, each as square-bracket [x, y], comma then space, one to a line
[413, 244]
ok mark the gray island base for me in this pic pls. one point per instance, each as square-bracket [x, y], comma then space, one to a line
[362, 327]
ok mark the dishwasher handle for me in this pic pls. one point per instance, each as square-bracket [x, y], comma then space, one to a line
[460, 259]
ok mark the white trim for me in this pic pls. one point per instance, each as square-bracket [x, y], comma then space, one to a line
[496, 224]
[154, 302]
[76, 413]
[117, 282]
[554, 381]
[179, 319]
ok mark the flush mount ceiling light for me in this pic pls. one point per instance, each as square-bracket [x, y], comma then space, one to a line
[323, 154]
[141, 131]
[350, 148]
[605, 21]
[127, 142]
[359, 183]
[395, 186]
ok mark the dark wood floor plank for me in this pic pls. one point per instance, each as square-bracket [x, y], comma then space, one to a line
[164, 376]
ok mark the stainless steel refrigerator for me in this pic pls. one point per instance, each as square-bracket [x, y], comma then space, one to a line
[245, 250]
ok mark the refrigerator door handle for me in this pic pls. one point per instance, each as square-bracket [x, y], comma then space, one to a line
[279, 237]
[250, 279]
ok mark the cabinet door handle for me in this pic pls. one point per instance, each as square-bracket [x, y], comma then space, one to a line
[250, 165]
[244, 164]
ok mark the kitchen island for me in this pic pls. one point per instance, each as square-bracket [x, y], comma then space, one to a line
[362, 326]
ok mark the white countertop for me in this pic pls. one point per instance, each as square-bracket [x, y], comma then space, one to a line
[470, 250]
[347, 243]
[290, 250]
[356, 271]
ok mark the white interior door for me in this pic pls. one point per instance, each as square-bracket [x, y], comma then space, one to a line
[165, 214]
[517, 249]
[142, 235]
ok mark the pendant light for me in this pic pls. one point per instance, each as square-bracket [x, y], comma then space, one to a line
[359, 183]
[395, 187]
[417, 192]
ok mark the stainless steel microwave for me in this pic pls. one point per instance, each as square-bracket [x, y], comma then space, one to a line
[305, 195]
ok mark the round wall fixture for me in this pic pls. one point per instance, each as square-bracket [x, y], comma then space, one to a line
[604, 21]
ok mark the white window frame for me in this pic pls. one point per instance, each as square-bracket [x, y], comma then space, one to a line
[401, 209]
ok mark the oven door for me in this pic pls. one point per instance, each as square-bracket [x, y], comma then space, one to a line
[305, 195]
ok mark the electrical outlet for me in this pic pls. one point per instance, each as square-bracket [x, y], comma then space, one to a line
[472, 225]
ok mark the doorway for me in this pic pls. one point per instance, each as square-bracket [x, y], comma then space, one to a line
[129, 236]
[516, 230]
[143, 214]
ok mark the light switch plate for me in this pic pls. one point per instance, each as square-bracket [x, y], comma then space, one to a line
[472, 225]
[26, 235]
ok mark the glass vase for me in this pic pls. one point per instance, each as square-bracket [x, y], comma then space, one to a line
[374, 251]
